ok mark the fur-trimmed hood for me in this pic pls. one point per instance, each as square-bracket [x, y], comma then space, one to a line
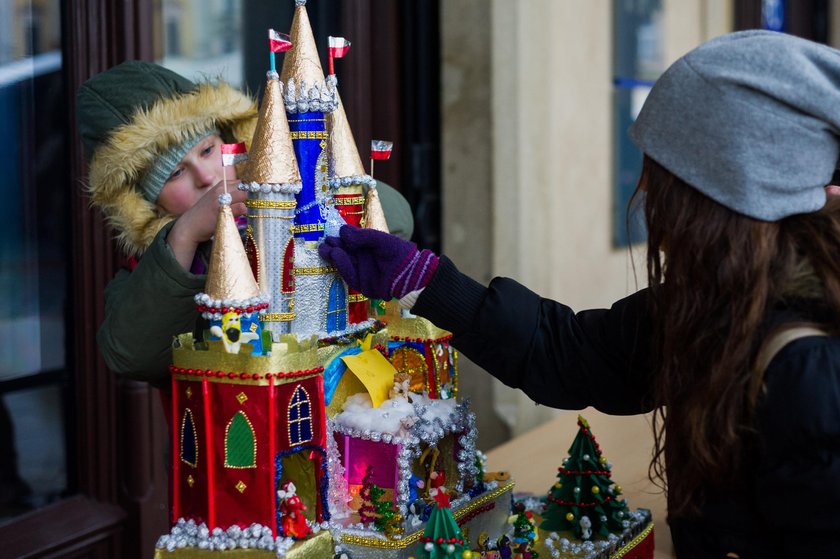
[120, 161]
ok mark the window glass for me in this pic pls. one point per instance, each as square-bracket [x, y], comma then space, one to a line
[638, 60]
[201, 39]
[34, 382]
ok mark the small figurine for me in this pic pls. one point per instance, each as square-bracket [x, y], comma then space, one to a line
[231, 333]
[523, 551]
[585, 528]
[503, 546]
[414, 483]
[402, 381]
[292, 520]
[437, 491]
[483, 542]
[419, 512]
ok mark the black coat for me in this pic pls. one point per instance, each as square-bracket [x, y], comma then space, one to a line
[789, 505]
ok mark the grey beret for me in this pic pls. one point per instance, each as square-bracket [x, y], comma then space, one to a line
[750, 119]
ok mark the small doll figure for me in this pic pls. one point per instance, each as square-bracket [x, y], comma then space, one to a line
[414, 483]
[292, 520]
[503, 547]
[585, 528]
[231, 333]
[482, 542]
[436, 489]
[400, 389]
[523, 551]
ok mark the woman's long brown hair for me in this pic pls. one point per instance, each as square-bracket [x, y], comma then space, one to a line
[714, 274]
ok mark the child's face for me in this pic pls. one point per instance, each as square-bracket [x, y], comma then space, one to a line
[198, 171]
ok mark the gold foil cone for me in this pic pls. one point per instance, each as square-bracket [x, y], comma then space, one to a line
[345, 154]
[272, 157]
[229, 276]
[302, 62]
[374, 216]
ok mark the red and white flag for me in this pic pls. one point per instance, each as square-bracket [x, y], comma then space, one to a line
[278, 42]
[233, 154]
[338, 47]
[380, 149]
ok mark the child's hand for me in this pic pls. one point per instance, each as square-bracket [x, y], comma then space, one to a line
[198, 223]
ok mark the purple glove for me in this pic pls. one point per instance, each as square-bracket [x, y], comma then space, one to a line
[378, 265]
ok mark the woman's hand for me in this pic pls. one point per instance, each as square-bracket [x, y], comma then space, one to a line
[379, 265]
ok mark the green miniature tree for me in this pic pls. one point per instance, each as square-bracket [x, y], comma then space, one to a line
[442, 537]
[383, 508]
[524, 529]
[584, 489]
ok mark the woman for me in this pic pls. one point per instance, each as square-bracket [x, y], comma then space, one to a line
[740, 138]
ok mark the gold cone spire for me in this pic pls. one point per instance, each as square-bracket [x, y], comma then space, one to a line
[302, 62]
[345, 154]
[374, 216]
[272, 157]
[229, 276]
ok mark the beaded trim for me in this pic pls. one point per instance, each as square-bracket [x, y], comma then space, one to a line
[633, 543]
[356, 298]
[314, 270]
[261, 216]
[182, 373]
[445, 338]
[338, 182]
[271, 204]
[279, 317]
[267, 188]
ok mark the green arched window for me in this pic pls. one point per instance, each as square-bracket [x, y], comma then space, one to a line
[240, 443]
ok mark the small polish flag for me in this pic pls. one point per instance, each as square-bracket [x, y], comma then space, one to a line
[278, 42]
[380, 149]
[338, 47]
[233, 154]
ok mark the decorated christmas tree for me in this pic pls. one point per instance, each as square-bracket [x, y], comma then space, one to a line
[443, 538]
[584, 500]
[524, 529]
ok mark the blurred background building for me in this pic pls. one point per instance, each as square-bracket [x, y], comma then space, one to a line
[509, 123]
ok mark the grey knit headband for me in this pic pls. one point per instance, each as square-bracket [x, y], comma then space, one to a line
[157, 175]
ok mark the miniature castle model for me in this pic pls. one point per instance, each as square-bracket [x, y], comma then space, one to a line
[295, 402]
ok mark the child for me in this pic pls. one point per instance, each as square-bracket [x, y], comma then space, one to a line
[153, 140]
[740, 138]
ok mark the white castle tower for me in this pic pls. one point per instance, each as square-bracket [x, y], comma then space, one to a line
[272, 180]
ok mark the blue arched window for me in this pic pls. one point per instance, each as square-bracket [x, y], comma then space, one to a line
[300, 417]
[337, 307]
[189, 451]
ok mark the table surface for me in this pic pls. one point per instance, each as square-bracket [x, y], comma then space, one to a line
[533, 458]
